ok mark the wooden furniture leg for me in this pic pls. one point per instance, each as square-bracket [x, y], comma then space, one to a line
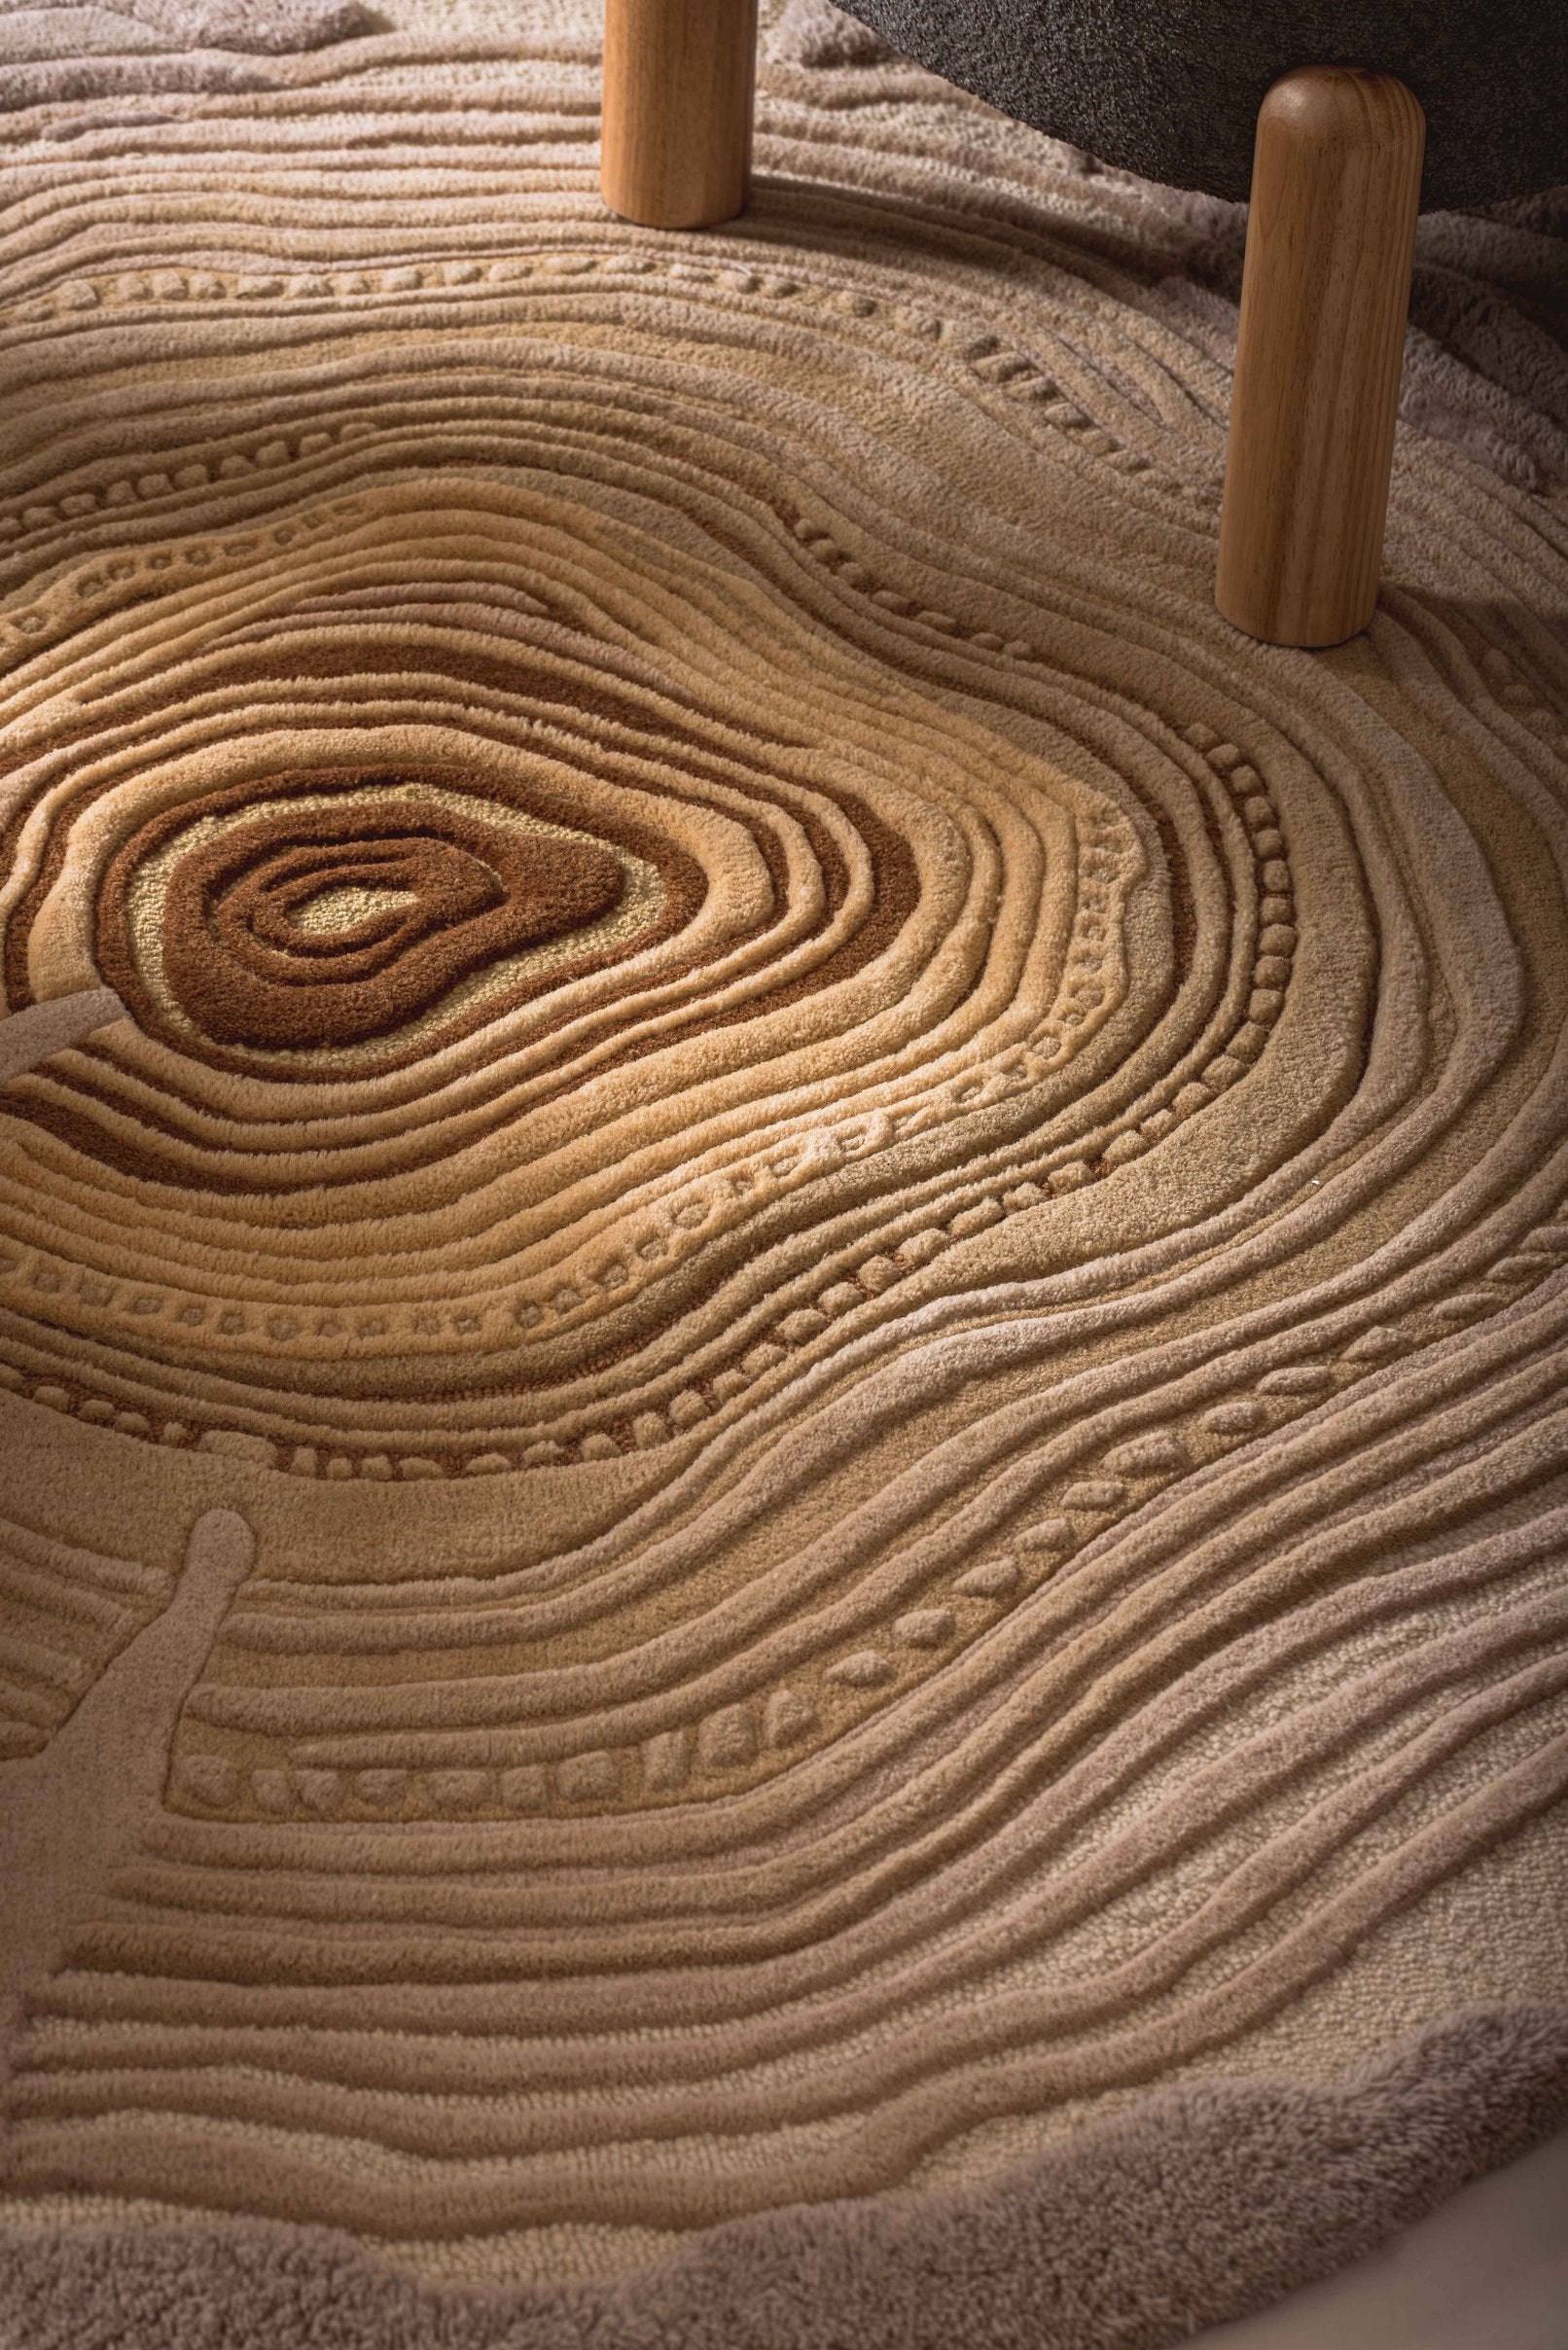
[1336, 188]
[679, 78]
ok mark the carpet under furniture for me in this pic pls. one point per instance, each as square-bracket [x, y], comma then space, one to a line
[783, 1273]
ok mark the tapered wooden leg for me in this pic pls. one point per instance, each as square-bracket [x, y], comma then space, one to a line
[679, 78]
[1336, 188]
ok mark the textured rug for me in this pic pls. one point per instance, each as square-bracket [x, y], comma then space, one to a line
[782, 1272]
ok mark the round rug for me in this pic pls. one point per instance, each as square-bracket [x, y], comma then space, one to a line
[781, 1269]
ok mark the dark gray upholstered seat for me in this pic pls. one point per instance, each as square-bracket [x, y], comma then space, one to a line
[1171, 89]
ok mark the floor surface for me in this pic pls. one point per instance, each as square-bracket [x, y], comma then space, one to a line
[1489, 2271]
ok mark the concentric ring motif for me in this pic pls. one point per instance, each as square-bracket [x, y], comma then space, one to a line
[871, 1225]
[410, 898]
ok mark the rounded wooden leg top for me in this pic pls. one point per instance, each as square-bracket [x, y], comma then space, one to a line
[1331, 236]
[679, 77]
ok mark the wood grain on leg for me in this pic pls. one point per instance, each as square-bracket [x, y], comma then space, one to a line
[1335, 189]
[679, 78]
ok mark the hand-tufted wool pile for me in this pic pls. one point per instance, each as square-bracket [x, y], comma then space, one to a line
[782, 1272]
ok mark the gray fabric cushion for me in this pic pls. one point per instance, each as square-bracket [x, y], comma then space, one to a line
[1171, 88]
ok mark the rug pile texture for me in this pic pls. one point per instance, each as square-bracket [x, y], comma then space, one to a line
[783, 1273]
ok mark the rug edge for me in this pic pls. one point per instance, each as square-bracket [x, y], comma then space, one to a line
[1203, 2204]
